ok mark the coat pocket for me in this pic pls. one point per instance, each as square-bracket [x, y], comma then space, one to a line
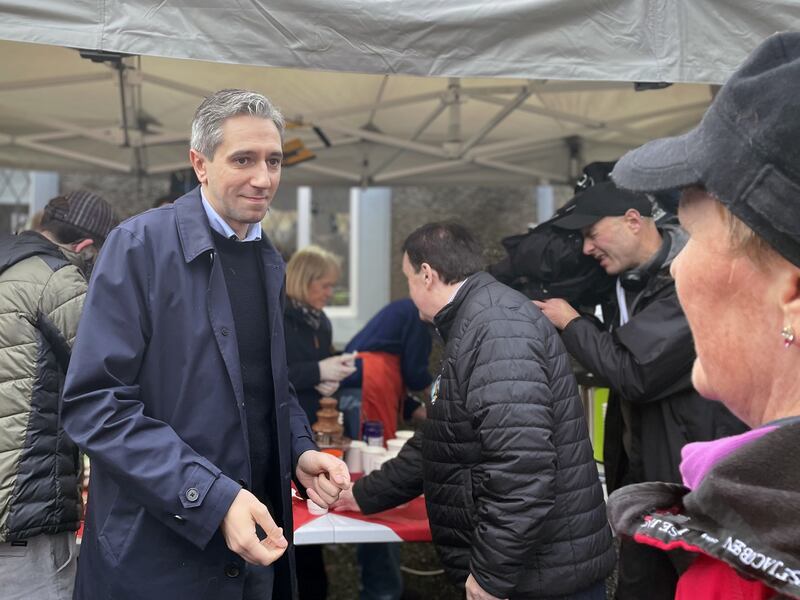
[469, 499]
[119, 527]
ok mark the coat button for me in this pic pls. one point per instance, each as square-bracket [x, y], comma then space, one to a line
[192, 494]
[231, 570]
[224, 331]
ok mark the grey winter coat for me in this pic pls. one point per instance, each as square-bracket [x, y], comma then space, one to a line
[41, 298]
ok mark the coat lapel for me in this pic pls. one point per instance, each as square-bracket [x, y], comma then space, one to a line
[194, 233]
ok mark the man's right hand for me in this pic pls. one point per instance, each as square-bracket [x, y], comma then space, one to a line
[239, 529]
[346, 502]
[558, 310]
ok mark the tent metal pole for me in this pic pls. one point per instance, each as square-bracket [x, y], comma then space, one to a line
[74, 155]
[419, 131]
[32, 84]
[659, 113]
[420, 170]
[496, 120]
[338, 173]
[378, 99]
[548, 112]
[533, 173]
[319, 145]
[569, 117]
[175, 85]
[107, 135]
[360, 108]
[479, 90]
[387, 140]
[168, 167]
[525, 144]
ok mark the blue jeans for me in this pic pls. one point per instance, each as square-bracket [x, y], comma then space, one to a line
[380, 571]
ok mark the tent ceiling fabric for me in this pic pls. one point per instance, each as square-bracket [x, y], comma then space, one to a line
[534, 89]
[624, 40]
[59, 111]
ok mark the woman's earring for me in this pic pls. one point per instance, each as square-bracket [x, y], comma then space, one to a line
[788, 336]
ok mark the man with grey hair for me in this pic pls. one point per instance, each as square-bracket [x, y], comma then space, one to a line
[178, 388]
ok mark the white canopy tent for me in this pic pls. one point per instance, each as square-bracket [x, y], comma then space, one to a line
[384, 92]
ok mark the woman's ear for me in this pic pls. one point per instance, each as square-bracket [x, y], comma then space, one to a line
[789, 282]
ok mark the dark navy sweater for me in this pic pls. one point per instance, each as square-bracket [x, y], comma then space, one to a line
[244, 278]
[396, 329]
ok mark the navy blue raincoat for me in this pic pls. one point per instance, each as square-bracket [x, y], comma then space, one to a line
[154, 396]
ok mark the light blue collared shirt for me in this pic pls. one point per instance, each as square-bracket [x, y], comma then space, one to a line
[219, 225]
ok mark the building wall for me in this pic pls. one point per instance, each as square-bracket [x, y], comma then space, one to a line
[128, 194]
[491, 213]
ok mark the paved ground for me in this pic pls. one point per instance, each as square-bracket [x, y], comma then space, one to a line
[340, 563]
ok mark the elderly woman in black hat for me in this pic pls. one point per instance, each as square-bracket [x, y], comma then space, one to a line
[734, 524]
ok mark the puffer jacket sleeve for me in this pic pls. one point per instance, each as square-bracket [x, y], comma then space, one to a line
[639, 359]
[59, 310]
[104, 411]
[509, 395]
[399, 480]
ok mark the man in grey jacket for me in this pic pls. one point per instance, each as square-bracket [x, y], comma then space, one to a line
[42, 288]
[512, 492]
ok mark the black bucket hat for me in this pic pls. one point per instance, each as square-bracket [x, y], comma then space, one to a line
[745, 151]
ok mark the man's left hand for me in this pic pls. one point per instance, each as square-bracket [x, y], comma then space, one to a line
[476, 592]
[558, 310]
[326, 389]
[323, 475]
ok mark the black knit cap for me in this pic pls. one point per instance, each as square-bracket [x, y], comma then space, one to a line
[745, 151]
[84, 211]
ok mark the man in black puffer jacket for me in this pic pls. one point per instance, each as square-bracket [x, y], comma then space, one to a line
[512, 492]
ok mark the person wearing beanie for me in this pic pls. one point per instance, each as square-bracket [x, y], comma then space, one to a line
[43, 279]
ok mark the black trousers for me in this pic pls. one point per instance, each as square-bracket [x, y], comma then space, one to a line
[644, 572]
[312, 582]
